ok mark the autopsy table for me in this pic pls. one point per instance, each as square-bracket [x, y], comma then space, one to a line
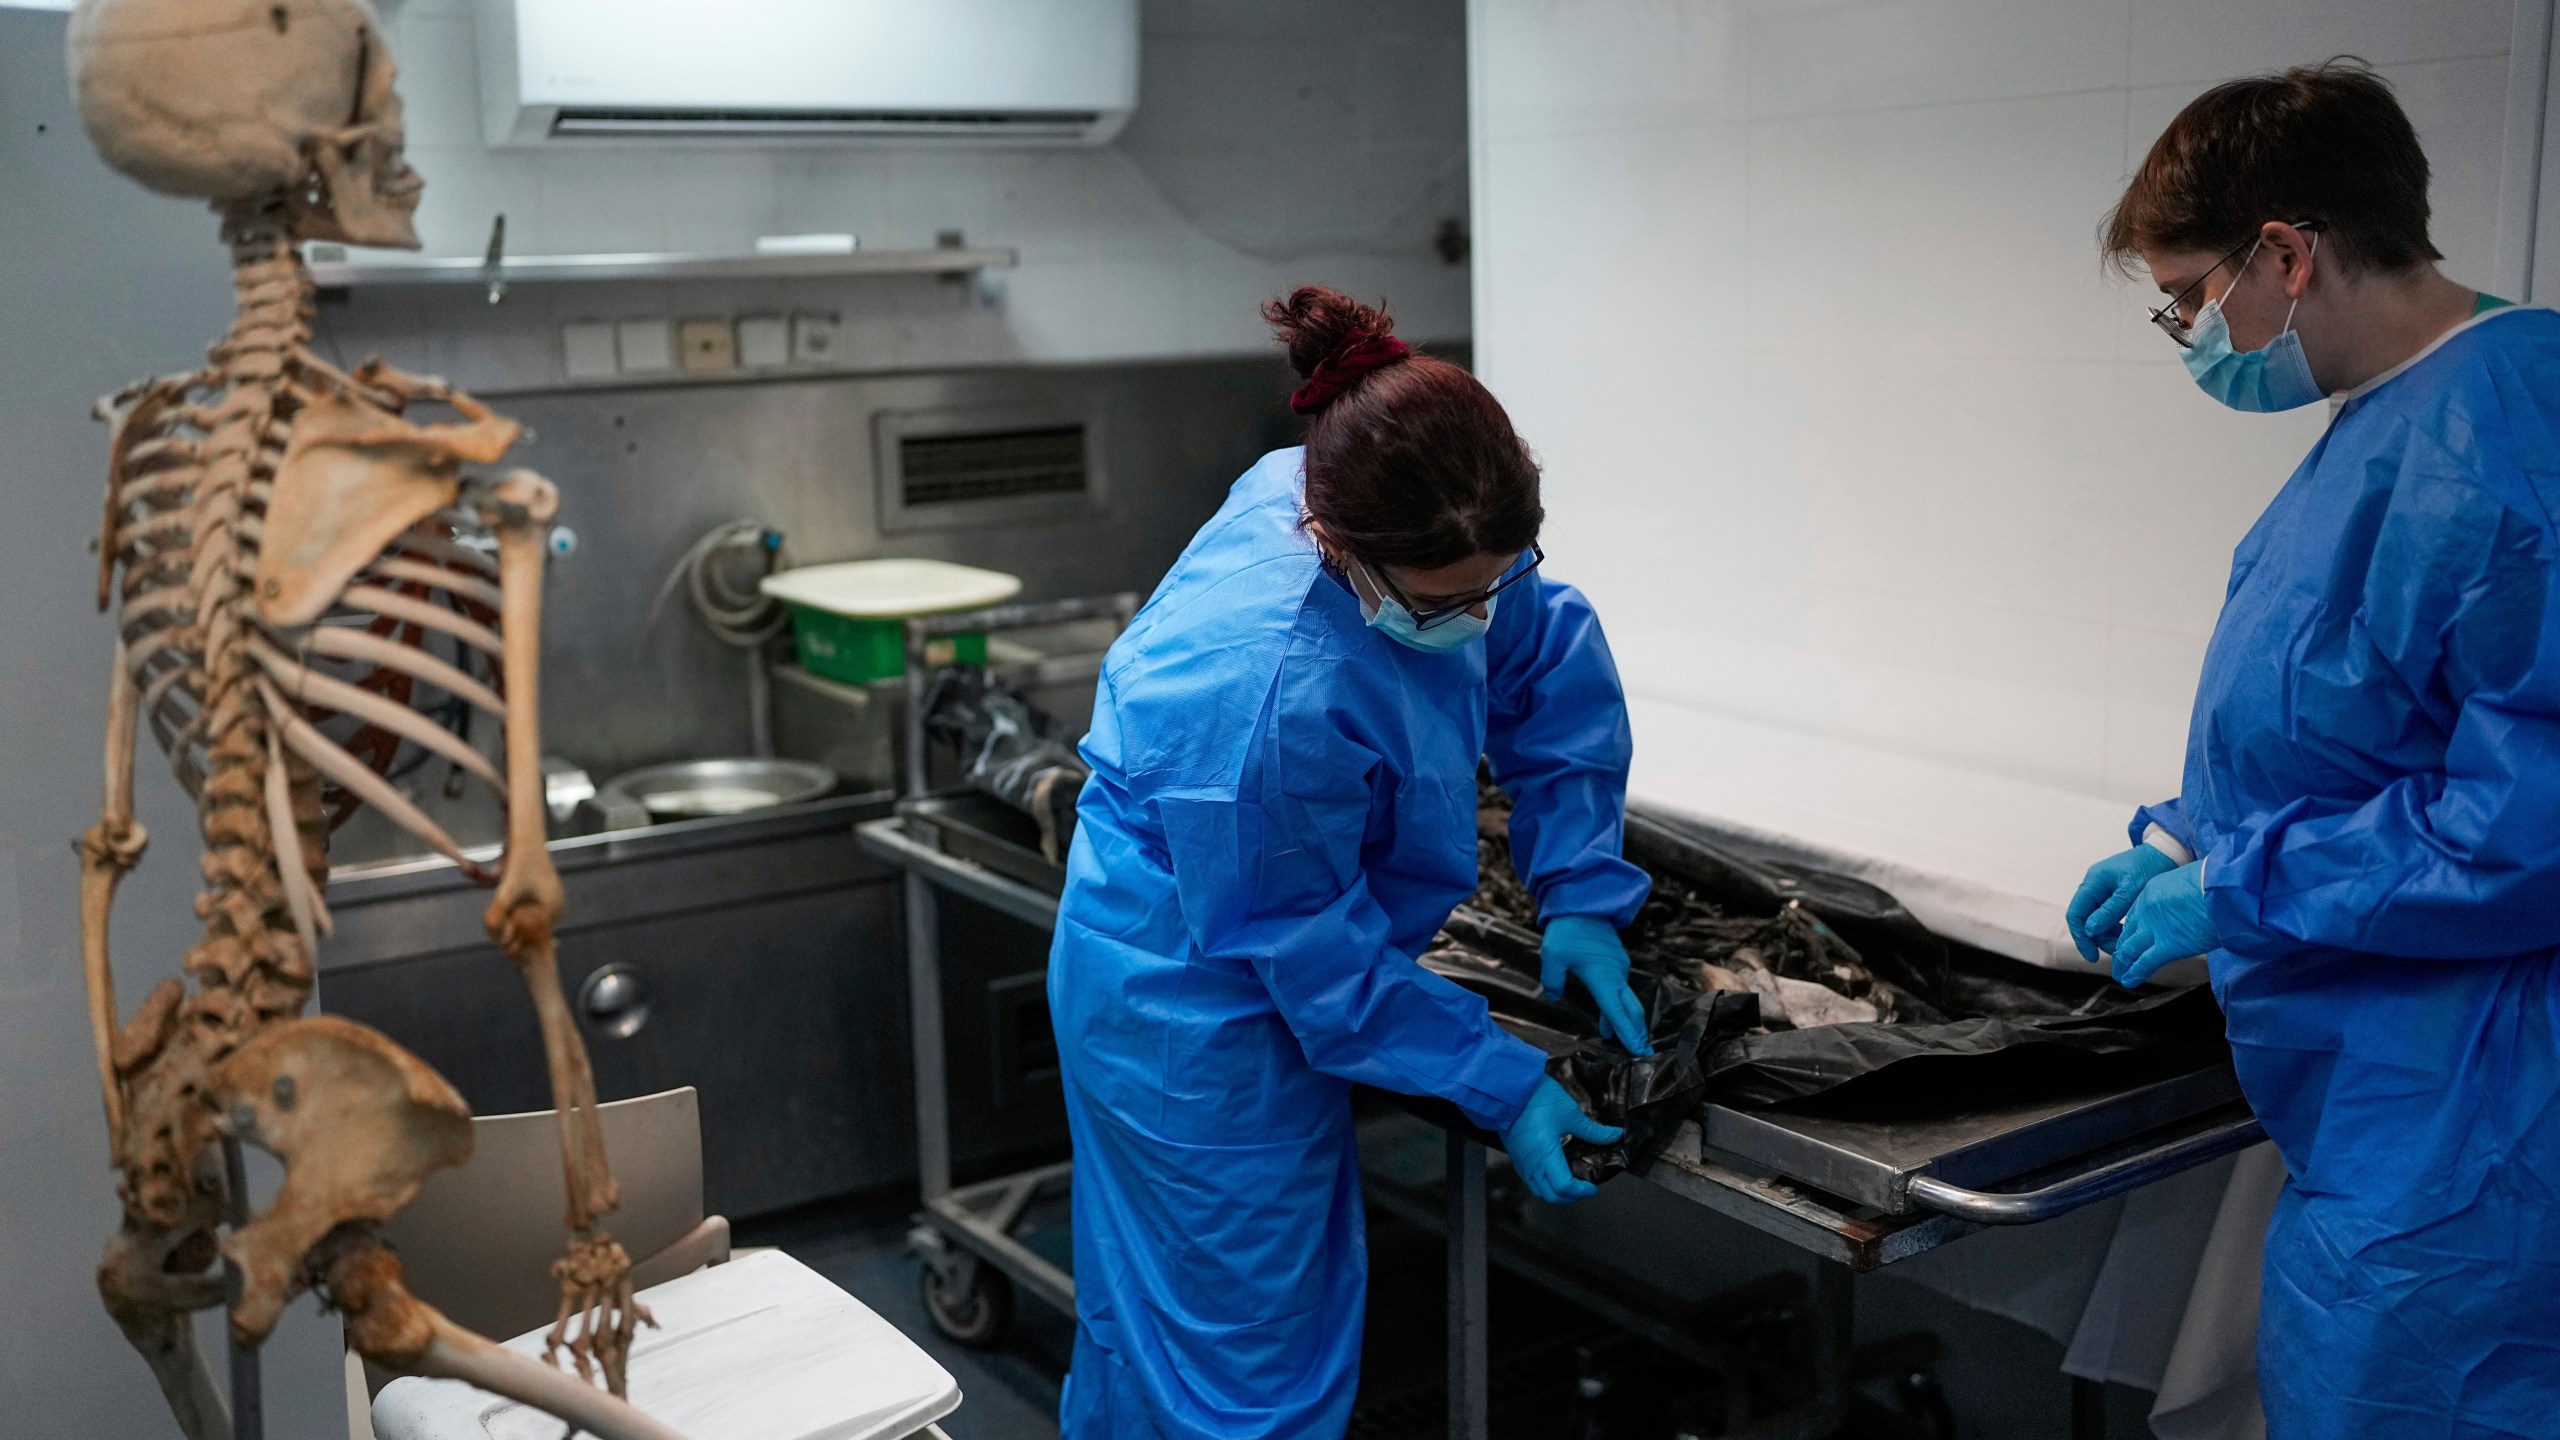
[1860, 1194]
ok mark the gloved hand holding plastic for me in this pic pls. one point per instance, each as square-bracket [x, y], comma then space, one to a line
[2098, 907]
[1590, 951]
[2170, 921]
[1536, 1142]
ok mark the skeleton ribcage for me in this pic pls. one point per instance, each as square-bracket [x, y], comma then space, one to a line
[409, 652]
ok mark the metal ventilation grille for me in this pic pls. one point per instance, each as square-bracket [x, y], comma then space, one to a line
[994, 465]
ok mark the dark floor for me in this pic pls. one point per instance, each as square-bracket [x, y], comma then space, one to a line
[1009, 1392]
[1558, 1371]
[1012, 1389]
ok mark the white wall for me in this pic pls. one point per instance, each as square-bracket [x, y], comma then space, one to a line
[1845, 429]
[1271, 145]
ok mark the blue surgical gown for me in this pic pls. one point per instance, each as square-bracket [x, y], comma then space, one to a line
[2373, 780]
[1282, 813]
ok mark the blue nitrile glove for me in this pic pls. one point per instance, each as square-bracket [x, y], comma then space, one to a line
[1590, 951]
[2107, 892]
[1536, 1143]
[2170, 922]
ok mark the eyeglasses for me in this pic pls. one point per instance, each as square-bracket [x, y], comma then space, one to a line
[1439, 615]
[2172, 318]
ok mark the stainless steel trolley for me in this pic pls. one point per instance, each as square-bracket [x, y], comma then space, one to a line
[968, 1238]
[1861, 1193]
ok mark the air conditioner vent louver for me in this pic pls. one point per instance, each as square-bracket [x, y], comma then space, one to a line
[597, 74]
[785, 124]
[992, 465]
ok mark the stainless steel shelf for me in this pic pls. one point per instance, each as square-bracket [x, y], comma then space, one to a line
[373, 272]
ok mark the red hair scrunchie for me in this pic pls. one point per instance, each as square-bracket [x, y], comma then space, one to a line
[1343, 368]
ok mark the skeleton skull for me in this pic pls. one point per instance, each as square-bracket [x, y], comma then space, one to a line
[249, 103]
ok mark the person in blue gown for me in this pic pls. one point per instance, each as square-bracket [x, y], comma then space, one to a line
[1282, 813]
[2367, 844]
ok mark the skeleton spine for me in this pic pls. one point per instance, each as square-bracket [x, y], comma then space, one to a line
[250, 965]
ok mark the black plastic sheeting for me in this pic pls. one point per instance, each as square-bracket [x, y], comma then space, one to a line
[2001, 1030]
[1010, 749]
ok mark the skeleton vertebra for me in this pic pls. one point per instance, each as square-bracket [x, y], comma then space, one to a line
[283, 545]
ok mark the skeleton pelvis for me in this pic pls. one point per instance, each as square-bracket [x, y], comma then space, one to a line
[359, 1123]
[354, 477]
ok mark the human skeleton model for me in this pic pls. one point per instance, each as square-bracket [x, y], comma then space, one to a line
[283, 548]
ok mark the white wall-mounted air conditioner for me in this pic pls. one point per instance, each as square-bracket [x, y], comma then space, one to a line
[1010, 72]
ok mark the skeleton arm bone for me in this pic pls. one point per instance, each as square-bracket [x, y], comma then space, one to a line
[111, 847]
[597, 1313]
[528, 901]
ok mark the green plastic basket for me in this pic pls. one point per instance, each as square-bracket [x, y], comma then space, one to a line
[858, 651]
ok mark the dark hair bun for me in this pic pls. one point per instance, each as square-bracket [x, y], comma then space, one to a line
[1314, 322]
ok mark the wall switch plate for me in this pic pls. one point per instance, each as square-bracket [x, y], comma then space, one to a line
[587, 349]
[707, 346]
[646, 345]
[816, 339]
[763, 340]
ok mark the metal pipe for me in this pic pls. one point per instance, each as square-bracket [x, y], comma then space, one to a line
[2088, 1409]
[917, 782]
[248, 1388]
[2130, 1173]
[759, 702]
[924, 1018]
[1835, 1298]
[1470, 1372]
[1023, 615]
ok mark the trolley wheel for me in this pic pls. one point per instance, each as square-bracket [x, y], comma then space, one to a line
[975, 1315]
[1924, 1406]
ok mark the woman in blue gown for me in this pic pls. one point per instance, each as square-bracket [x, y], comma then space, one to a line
[2367, 844]
[1282, 812]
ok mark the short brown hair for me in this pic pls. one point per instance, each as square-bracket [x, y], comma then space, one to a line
[2318, 144]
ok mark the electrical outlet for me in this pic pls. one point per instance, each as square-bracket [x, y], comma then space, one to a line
[763, 340]
[646, 345]
[816, 338]
[587, 350]
[707, 346]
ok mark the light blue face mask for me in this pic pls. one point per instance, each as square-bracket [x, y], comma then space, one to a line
[2259, 381]
[1388, 617]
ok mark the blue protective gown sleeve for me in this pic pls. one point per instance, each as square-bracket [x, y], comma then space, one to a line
[2169, 815]
[1274, 879]
[2462, 863]
[1557, 734]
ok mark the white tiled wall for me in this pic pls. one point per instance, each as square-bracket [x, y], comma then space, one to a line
[1322, 142]
[1846, 429]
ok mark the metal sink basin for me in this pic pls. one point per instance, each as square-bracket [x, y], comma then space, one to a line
[695, 789]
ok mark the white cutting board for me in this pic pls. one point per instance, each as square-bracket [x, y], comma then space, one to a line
[891, 589]
[762, 1348]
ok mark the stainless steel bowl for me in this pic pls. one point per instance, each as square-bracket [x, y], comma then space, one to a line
[692, 789]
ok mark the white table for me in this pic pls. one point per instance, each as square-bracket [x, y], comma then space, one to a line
[762, 1348]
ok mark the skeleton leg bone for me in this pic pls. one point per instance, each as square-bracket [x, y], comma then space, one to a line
[154, 1308]
[395, 1328]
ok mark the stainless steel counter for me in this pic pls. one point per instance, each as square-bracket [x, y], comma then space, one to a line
[753, 957]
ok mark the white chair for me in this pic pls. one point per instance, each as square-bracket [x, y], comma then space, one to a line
[762, 1348]
[479, 1240]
